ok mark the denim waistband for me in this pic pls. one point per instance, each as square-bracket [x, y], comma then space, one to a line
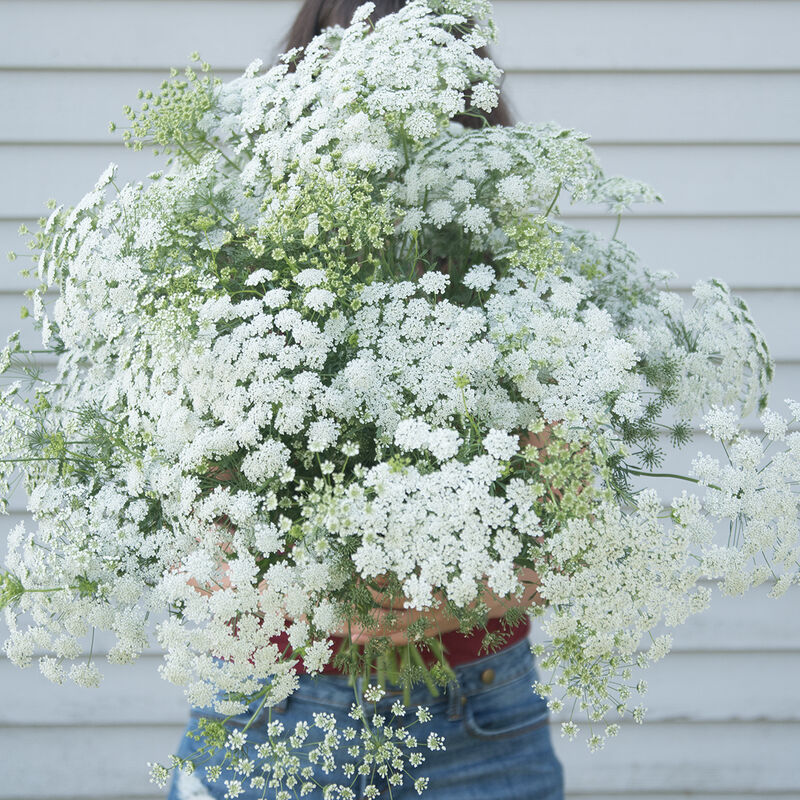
[472, 678]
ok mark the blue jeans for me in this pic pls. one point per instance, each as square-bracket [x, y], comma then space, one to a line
[495, 731]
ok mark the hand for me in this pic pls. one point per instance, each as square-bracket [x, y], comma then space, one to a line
[394, 625]
[223, 581]
[394, 620]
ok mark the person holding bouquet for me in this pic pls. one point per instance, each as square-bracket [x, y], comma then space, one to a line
[496, 730]
[341, 393]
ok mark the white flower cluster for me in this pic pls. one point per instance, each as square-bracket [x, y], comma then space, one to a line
[313, 356]
[475, 177]
[356, 91]
[289, 763]
[721, 353]
[755, 492]
[646, 572]
[440, 532]
[561, 351]
[634, 573]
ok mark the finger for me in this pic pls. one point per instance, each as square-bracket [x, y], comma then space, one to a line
[355, 635]
[361, 636]
[386, 625]
[380, 598]
[386, 602]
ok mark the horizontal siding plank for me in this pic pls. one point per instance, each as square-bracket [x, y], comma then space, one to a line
[647, 107]
[696, 179]
[130, 694]
[693, 179]
[694, 759]
[718, 687]
[664, 758]
[552, 35]
[33, 174]
[10, 313]
[549, 35]
[685, 686]
[112, 761]
[775, 312]
[746, 253]
[75, 107]
[751, 623]
[92, 34]
[11, 281]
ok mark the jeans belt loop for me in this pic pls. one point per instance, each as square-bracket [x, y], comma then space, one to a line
[282, 706]
[455, 701]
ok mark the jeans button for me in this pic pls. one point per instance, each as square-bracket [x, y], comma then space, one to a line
[487, 676]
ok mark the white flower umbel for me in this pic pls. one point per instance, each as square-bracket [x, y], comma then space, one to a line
[374, 740]
[614, 577]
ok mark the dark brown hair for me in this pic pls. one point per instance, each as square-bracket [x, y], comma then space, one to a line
[318, 14]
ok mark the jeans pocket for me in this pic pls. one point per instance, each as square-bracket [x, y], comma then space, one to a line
[244, 719]
[509, 710]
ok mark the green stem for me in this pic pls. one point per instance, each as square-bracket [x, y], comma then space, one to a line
[256, 712]
[553, 202]
[469, 416]
[187, 153]
[416, 656]
[15, 460]
[669, 475]
[221, 152]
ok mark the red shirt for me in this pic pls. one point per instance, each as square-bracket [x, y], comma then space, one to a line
[459, 648]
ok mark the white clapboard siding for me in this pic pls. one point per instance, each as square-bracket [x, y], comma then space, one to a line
[697, 97]
[688, 108]
[554, 36]
[755, 252]
[634, 107]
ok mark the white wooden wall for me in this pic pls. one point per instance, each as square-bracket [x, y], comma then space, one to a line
[698, 98]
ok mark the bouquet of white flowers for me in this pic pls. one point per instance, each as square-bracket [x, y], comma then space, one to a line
[342, 356]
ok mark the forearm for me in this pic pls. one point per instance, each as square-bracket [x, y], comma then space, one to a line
[393, 620]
